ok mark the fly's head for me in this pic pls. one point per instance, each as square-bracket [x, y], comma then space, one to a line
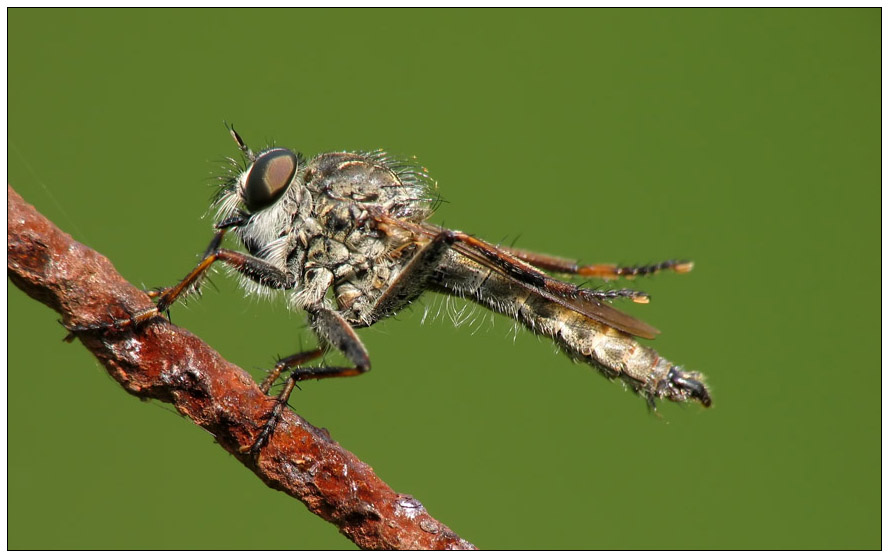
[268, 177]
[262, 194]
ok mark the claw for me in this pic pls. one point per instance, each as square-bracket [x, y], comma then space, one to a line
[265, 434]
[113, 324]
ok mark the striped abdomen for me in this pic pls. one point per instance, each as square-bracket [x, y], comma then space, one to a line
[615, 353]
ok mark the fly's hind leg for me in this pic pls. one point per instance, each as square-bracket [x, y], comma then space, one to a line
[603, 271]
[333, 331]
[611, 271]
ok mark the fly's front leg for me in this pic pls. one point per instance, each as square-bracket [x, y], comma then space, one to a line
[333, 331]
[603, 271]
[255, 268]
[191, 282]
[166, 297]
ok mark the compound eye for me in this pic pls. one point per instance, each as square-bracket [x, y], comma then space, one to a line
[269, 178]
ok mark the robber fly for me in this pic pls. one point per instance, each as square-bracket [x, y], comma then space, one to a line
[354, 225]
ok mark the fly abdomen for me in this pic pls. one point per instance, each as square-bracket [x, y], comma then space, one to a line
[615, 353]
[642, 368]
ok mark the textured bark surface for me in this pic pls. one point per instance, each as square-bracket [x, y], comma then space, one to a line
[161, 361]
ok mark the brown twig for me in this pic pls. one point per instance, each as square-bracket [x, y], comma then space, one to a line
[161, 361]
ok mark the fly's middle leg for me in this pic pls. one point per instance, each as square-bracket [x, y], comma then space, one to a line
[288, 363]
[332, 331]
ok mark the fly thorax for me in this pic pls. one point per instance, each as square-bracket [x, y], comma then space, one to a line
[327, 252]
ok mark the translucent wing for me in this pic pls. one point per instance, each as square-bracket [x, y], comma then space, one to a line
[567, 294]
[514, 268]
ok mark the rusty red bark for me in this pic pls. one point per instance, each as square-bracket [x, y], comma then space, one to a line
[162, 361]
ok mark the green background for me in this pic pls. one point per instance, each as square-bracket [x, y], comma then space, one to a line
[747, 140]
